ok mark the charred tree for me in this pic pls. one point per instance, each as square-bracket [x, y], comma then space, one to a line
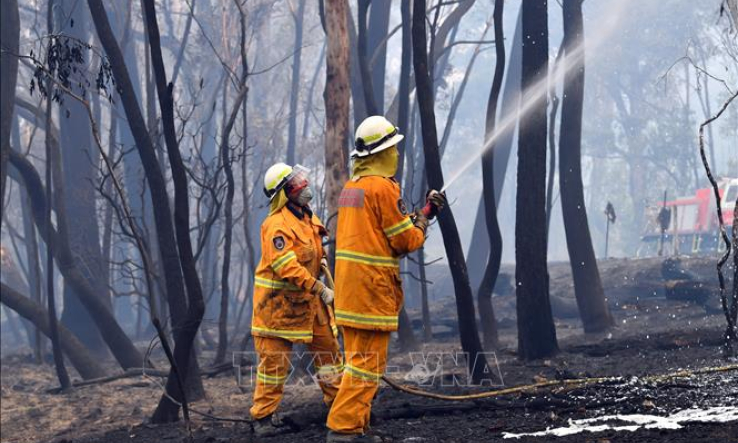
[185, 325]
[32, 251]
[298, 18]
[83, 361]
[379, 18]
[366, 76]
[587, 284]
[336, 97]
[225, 153]
[405, 333]
[494, 257]
[476, 260]
[120, 345]
[79, 161]
[359, 107]
[61, 369]
[172, 267]
[403, 117]
[536, 331]
[9, 40]
[464, 299]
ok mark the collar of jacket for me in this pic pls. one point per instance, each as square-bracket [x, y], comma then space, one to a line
[299, 211]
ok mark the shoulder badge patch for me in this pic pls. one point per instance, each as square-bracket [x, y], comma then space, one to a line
[278, 242]
[402, 207]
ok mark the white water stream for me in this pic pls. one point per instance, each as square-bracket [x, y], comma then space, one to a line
[530, 97]
[677, 420]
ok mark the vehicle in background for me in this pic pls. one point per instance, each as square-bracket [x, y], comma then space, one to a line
[690, 222]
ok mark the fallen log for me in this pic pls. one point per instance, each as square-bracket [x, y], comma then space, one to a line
[80, 357]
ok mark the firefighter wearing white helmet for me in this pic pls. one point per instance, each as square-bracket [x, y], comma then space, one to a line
[374, 135]
[374, 231]
[291, 304]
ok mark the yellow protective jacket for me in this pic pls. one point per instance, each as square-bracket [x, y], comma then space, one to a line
[374, 231]
[285, 304]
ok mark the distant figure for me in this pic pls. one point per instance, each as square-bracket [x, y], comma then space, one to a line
[374, 231]
[290, 302]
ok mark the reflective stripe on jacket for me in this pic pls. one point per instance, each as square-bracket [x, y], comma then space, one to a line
[291, 249]
[374, 231]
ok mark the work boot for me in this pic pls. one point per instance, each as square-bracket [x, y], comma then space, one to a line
[269, 426]
[337, 437]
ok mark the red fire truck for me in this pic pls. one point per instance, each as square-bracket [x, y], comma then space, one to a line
[691, 223]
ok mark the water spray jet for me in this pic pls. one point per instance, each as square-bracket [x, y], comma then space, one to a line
[530, 97]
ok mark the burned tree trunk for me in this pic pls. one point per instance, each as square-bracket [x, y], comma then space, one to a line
[464, 299]
[406, 61]
[379, 19]
[185, 326]
[494, 257]
[80, 160]
[9, 40]
[120, 345]
[405, 333]
[52, 167]
[536, 331]
[336, 97]
[173, 268]
[587, 284]
[32, 251]
[298, 17]
[366, 77]
[476, 257]
[225, 153]
[85, 363]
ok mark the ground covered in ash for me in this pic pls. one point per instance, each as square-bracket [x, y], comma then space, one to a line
[652, 338]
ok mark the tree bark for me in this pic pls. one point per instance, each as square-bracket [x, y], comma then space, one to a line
[379, 18]
[9, 38]
[120, 345]
[298, 17]
[536, 331]
[79, 161]
[358, 107]
[366, 76]
[403, 117]
[172, 266]
[587, 284]
[185, 373]
[464, 299]
[225, 153]
[476, 257]
[32, 252]
[52, 169]
[336, 97]
[492, 270]
[85, 363]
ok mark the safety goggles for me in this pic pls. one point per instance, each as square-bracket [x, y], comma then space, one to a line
[297, 180]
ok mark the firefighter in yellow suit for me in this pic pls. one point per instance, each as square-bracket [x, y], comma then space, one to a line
[374, 231]
[290, 301]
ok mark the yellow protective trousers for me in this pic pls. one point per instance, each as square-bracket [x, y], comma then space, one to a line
[366, 360]
[274, 368]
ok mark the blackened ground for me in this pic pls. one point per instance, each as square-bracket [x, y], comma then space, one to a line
[653, 337]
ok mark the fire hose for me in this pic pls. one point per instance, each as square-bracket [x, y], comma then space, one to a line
[550, 384]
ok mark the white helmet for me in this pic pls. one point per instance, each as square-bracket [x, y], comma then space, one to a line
[375, 134]
[278, 175]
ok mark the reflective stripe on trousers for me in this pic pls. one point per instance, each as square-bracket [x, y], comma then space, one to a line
[366, 360]
[275, 368]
